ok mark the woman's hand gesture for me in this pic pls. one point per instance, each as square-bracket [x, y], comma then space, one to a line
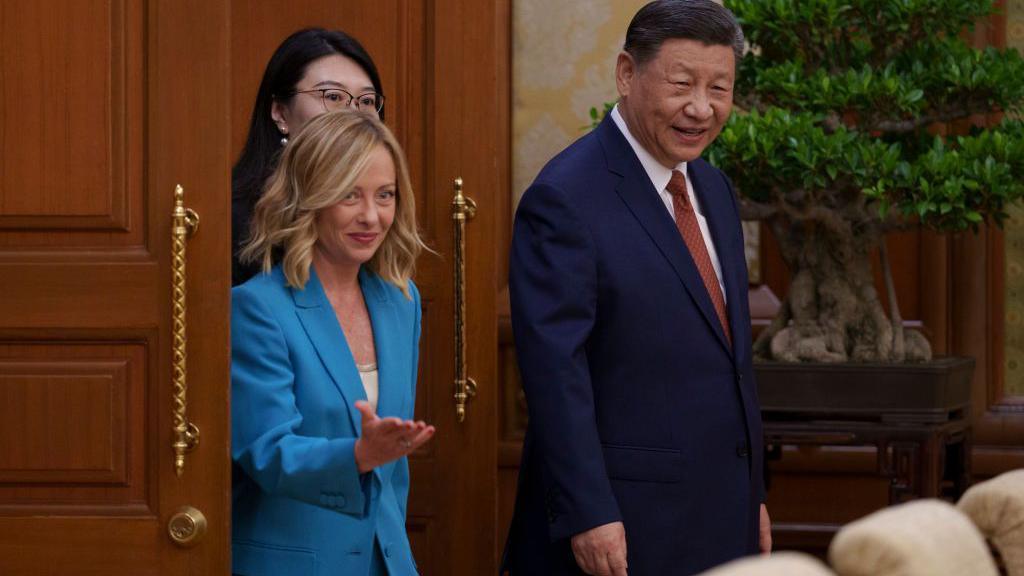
[387, 439]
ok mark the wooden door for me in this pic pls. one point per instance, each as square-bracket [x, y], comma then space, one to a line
[106, 105]
[443, 66]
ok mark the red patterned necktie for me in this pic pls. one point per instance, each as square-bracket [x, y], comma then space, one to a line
[686, 221]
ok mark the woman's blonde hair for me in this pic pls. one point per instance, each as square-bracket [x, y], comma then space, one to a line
[318, 168]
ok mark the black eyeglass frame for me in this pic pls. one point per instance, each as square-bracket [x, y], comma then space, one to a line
[378, 98]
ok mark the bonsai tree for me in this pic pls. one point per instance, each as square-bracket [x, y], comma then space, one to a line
[843, 136]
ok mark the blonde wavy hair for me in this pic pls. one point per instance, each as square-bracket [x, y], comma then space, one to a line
[318, 168]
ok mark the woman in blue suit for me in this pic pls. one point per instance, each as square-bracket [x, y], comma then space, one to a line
[323, 361]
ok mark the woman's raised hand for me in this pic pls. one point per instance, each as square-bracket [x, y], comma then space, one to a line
[387, 439]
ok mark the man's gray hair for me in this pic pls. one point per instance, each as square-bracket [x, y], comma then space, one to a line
[702, 20]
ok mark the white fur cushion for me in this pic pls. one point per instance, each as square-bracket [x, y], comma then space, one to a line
[778, 564]
[920, 538]
[997, 508]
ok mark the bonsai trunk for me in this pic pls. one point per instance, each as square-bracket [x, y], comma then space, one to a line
[832, 312]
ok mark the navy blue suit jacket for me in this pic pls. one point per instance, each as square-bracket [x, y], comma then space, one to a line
[640, 410]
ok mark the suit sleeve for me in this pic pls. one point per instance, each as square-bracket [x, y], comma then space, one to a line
[553, 289]
[264, 438]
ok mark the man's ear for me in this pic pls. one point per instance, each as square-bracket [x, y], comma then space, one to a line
[277, 113]
[625, 71]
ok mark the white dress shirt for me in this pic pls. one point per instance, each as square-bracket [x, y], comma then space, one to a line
[660, 176]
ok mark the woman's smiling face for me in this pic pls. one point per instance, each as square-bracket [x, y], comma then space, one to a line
[350, 232]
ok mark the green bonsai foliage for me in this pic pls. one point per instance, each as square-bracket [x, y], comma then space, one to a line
[841, 138]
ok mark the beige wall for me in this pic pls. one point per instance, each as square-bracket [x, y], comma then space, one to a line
[563, 64]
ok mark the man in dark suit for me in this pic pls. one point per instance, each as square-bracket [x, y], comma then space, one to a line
[629, 308]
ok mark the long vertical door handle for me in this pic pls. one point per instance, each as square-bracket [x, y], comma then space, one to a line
[463, 209]
[186, 434]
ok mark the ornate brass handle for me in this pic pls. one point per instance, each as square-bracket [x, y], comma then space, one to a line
[186, 434]
[463, 209]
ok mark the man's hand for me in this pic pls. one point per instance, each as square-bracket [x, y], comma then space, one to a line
[601, 551]
[765, 532]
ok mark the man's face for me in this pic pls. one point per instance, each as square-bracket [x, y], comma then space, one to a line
[676, 104]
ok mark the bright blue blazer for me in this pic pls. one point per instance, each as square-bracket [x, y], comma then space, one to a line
[640, 409]
[300, 506]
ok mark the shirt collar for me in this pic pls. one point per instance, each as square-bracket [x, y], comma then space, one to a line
[658, 174]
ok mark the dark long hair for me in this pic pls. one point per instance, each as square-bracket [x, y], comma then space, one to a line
[263, 145]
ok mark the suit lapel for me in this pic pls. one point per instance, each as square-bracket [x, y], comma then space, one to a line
[322, 329]
[637, 192]
[718, 212]
[385, 326]
[384, 321]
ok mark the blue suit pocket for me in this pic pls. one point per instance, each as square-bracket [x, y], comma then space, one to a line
[644, 464]
[255, 559]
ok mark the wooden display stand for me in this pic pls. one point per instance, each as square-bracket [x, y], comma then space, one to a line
[918, 434]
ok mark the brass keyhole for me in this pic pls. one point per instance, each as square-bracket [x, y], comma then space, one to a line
[187, 526]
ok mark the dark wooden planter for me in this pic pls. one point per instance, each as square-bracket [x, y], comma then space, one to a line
[913, 416]
[934, 391]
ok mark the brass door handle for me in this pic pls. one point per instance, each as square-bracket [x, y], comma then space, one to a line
[463, 209]
[186, 434]
[187, 526]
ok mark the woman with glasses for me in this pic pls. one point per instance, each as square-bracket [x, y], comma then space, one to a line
[313, 71]
[324, 350]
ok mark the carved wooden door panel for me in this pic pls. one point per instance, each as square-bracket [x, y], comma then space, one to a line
[105, 106]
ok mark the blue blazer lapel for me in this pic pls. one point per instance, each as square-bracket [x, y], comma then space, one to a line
[384, 320]
[718, 211]
[322, 329]
[643, 201]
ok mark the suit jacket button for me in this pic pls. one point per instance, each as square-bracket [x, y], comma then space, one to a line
[387, 551]
[741, 450]
[341, 502]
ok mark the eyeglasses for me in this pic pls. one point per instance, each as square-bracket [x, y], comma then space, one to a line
[336, 99]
